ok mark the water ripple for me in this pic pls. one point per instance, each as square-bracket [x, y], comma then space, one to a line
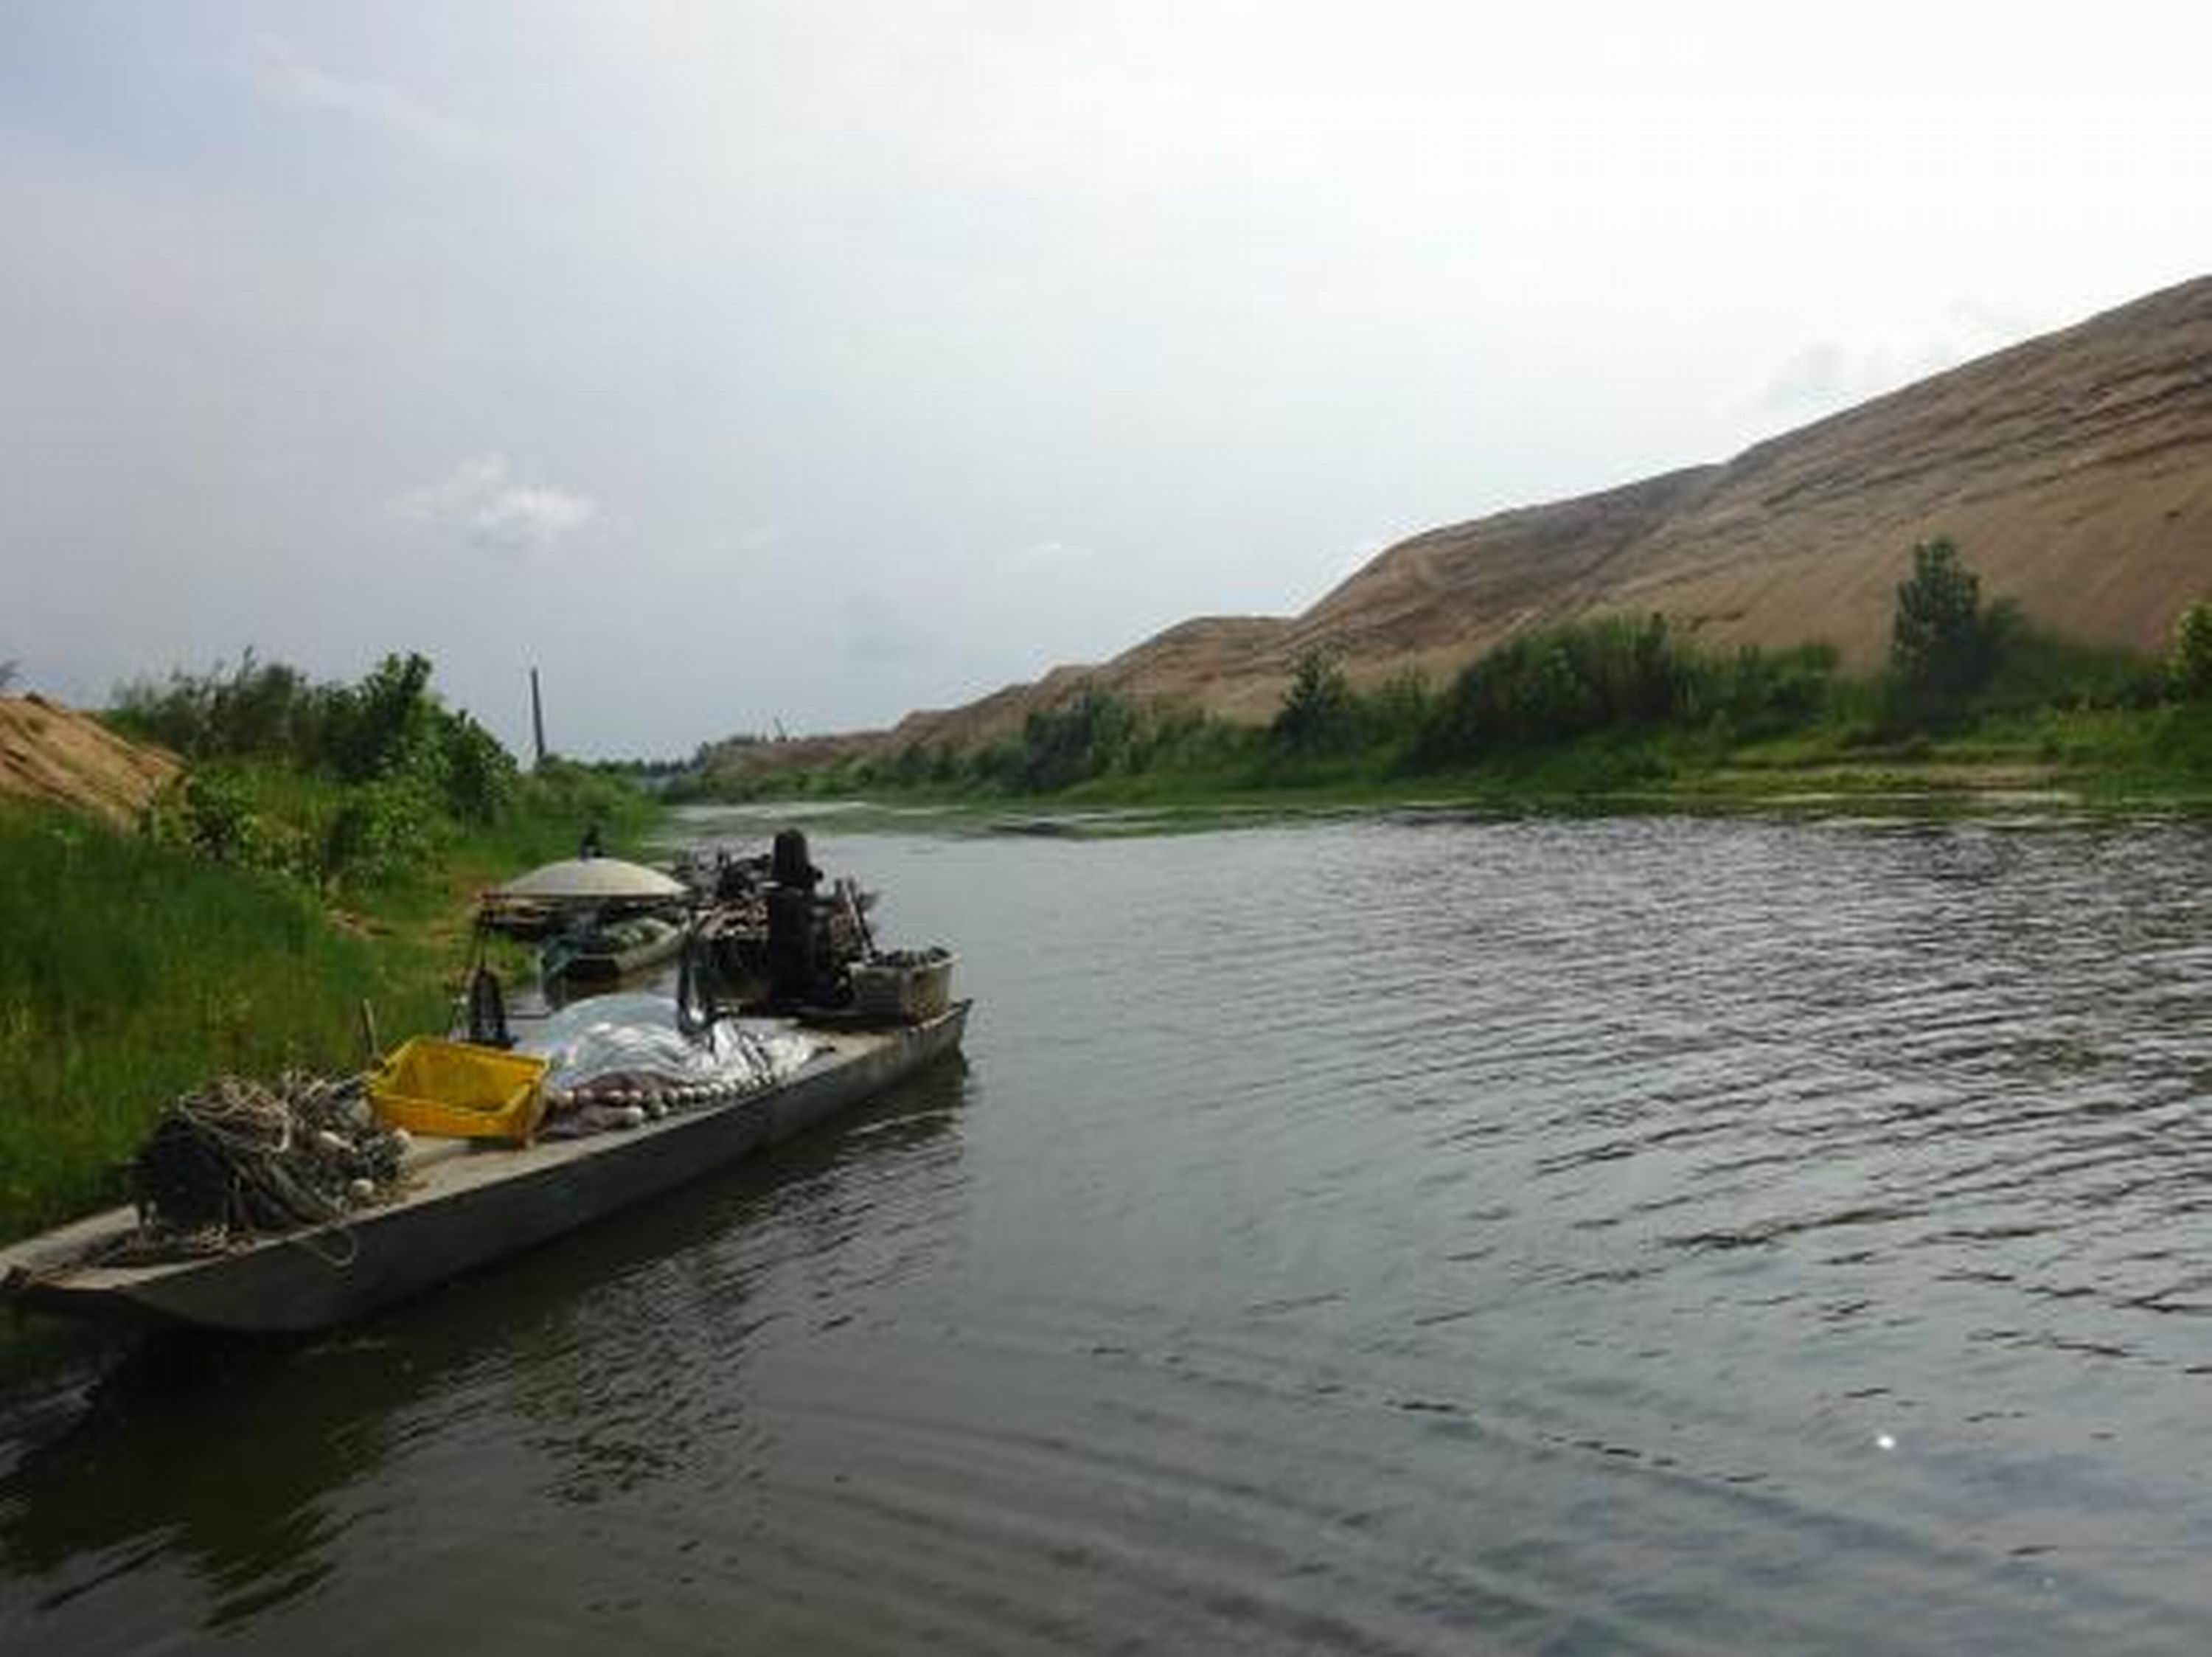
[1519, 1236]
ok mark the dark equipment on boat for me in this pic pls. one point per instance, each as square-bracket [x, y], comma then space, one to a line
[488, 1009]
[805, 957]
[791, 971]
[789, 864]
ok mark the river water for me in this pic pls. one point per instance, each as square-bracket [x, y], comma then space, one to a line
[1622, 1235]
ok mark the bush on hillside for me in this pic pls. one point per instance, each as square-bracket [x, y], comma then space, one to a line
[1085, 736]
[1319, 713]
[2189, 666]
[1943, 645]
[390, 728]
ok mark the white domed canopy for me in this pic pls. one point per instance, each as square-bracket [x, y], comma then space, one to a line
[589, 878]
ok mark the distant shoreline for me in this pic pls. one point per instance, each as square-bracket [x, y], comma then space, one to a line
[1935, 792]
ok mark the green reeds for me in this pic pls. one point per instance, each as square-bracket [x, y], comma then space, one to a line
[131, 972]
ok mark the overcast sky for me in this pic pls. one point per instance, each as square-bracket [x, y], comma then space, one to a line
[737, 363]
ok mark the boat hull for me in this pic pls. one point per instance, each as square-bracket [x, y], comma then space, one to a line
[467, 1206]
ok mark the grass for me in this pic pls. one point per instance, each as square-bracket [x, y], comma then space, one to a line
[2110, 757]
[134, 972]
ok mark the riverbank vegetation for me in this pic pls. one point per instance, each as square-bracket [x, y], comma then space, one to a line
[1974, 694]
[320, 851]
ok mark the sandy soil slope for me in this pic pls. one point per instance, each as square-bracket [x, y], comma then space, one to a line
[2075, 472]
[48, 752]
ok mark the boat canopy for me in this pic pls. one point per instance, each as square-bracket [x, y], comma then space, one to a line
[590, 880]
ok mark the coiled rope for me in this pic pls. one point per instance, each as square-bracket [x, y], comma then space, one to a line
[239, 1160]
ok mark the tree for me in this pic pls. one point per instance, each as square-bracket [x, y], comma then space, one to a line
[2190, 665]
[1943, 645]
[1080, 738]
[1318, 710]
[479, 775]
[380, 725]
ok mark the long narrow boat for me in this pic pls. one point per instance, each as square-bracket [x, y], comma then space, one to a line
[619, 950]
[464, 1204]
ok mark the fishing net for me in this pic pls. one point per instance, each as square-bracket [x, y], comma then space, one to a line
[238, 1159]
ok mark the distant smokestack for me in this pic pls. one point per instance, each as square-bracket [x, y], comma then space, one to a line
[536, 720]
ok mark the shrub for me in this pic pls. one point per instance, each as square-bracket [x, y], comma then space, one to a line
[1319, 714]
[216, 812]
[1943, 645]
[1082, 737]
[2189, 666]
[2033, 668]
[1557, 682]
[479, 775]
[328, 785]
[258, 708]
[1618, 674]
[390, 724]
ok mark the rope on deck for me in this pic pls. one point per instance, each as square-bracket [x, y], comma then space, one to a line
[239, 1160]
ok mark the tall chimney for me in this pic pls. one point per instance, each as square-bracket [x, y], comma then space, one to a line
[536, 720]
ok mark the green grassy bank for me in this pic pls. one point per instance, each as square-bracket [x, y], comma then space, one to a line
[323, 849]
[1975, 698]
[2121, 758]
[136, 968]
[135, 971]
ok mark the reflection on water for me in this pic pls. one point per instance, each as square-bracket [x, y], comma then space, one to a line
[240, 1464]
[1610, 1235]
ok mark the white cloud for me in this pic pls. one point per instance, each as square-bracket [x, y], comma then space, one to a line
[284, 76]
[1047, 556]
[1829, 374]
[1825, 377]
[494, 510]
[1816, 377]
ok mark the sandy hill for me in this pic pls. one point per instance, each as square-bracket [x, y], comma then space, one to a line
[50, 752]
[2074, 471]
